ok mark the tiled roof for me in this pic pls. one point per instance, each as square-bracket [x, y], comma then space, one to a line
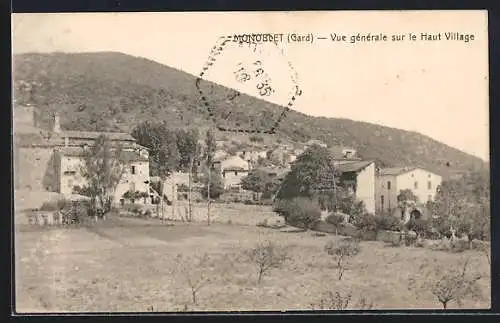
[355, 166]
[393, 171]
[115, 136]
[80, 152]
[36, 139]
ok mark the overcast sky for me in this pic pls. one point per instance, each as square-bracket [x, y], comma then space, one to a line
[438, 88]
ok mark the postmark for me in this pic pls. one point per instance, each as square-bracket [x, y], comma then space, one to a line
[248, 68]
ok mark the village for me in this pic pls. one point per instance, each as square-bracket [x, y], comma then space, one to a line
[58, 171]
[53, 164]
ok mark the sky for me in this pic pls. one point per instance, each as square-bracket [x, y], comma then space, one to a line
[438, 88]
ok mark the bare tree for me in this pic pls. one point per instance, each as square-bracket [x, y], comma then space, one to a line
[267, 256]
[346, 249]
[195, 272]
[447, 284]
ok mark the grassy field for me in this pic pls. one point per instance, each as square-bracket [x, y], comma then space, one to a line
[130, 265]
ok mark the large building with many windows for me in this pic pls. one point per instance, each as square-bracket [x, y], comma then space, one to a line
[391, 181]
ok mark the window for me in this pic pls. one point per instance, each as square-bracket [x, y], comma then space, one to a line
[382, 202]
[388, 185]
[429, 185]
[133, 170]
[429, 175]
[236, 173]
[416, 185]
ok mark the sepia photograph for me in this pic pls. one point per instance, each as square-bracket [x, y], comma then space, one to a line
[251, 161]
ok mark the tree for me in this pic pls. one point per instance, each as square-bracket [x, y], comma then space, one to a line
[337, 220]
[447, 283]
[164, 156]
[213, 185]
[187, 144]
[341, 252]
[462, 206]
[189, 151]
[312, 175]
[260, 182]
[406, 199]
[210, 147]
[420, 226]
[267, 256]
[474, 223]
[347, 203]
[195, 272]
[102, 169]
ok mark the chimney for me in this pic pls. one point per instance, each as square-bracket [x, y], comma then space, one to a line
[57, 125]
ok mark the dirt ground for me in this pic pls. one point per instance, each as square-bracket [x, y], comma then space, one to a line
[130, 265]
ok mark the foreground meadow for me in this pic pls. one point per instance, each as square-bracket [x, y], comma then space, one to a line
[140, 265]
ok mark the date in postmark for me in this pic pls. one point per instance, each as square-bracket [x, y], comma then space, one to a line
[257, 69]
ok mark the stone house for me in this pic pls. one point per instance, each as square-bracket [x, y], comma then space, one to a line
[390, 181]
[51, 159]
[232, 170]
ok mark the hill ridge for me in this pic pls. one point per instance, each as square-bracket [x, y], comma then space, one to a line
[114, 91]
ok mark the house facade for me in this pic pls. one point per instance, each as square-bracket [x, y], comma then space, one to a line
[356, 174]
[135, 173]
[232, 170]
[51, 160]
[390, 181]
[359, 176]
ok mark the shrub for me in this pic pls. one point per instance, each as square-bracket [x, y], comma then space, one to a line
[365, 223]
[342, 251]
[335, 219]
[338, 301]
[388, 222]
[267, 256]
[75, 212]
[56, 205]
[133, 208]
[421, 227]
[280, 207]
[300, 212]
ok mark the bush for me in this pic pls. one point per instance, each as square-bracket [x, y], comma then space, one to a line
[365, 223]
[335, 219]
[133, 208]
[422, 227]
[300, 212]
[80, 210]
[267, 256]
[342, 251]
[57, 205]
[388, 222]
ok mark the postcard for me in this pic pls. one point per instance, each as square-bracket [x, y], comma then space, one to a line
[251, 161]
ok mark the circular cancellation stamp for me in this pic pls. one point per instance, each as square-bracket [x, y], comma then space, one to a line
[248, 67]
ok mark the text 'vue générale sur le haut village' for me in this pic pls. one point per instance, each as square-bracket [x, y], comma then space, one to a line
[353, 38]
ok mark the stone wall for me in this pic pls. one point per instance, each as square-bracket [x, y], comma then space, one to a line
[35, 169]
